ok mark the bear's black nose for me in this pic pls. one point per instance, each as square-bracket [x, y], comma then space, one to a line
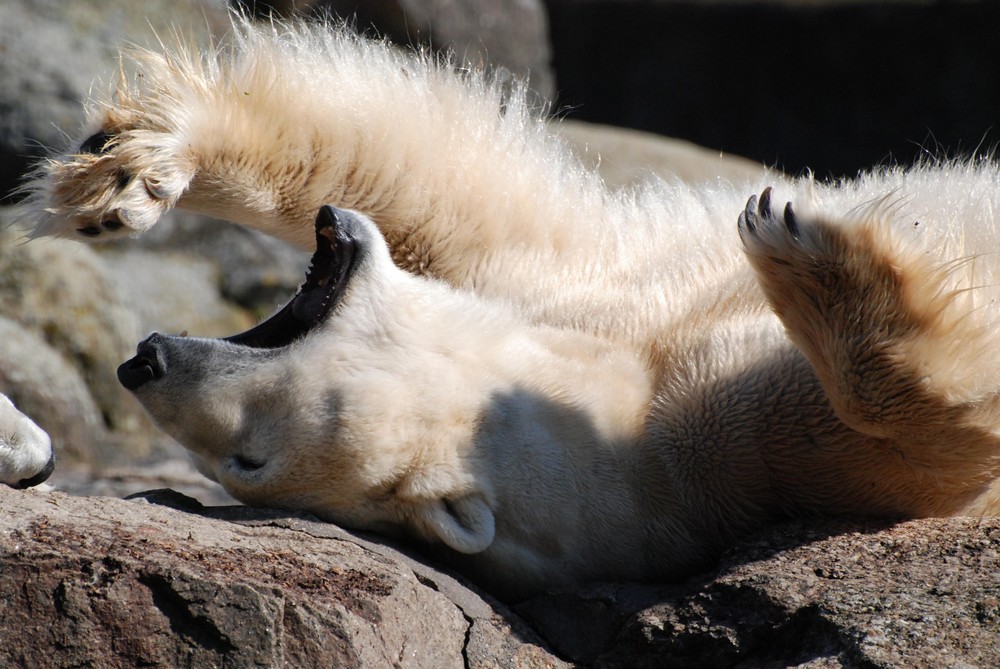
[148, 364]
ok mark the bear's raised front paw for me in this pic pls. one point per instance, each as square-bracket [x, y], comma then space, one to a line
[115, 184]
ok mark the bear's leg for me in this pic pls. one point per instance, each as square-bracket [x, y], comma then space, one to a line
[150, 154]
[904, 345]
[454, 170]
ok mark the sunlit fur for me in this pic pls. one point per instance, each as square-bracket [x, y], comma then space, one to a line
[616, 384]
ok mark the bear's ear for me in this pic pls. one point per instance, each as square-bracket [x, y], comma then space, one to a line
[465, 524]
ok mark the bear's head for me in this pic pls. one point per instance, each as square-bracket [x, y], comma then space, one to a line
[334, 404]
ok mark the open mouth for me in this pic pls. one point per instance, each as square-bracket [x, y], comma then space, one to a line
[326, 281]
[338, 251]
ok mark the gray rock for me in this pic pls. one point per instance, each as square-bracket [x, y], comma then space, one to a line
[172, 292]
[256, 272]
[105, 582]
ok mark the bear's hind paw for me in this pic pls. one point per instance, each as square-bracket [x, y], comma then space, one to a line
[758, 223]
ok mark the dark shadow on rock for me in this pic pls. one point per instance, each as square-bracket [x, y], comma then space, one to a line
[606, 623]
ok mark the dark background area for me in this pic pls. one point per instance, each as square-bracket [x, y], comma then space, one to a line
[836, 87]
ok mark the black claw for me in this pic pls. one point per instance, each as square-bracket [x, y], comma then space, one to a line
[764, 208]
[747, 216]
[791, 222]
[89, 231]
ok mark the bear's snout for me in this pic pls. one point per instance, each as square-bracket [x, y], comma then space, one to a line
[147, 365]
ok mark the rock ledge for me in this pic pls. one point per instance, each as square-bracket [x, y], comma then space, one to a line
[161, 580]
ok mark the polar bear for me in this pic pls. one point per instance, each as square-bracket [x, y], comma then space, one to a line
[493, 352]
[26, 455]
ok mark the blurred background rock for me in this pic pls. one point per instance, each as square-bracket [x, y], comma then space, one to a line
[835, 85]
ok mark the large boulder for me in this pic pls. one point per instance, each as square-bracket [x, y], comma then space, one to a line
[108, 583]
[163, 581]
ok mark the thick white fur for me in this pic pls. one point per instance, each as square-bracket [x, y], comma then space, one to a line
[597, 384]
[26, 455]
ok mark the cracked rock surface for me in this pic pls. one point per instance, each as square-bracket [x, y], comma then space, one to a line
[162, 581]
[111, 583]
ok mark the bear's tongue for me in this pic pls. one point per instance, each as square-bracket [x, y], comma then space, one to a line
[325, 282]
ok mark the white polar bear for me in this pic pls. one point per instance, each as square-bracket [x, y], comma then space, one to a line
[494, 352]
[26, 455]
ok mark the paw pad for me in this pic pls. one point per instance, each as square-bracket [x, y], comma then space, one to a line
[114, 224]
